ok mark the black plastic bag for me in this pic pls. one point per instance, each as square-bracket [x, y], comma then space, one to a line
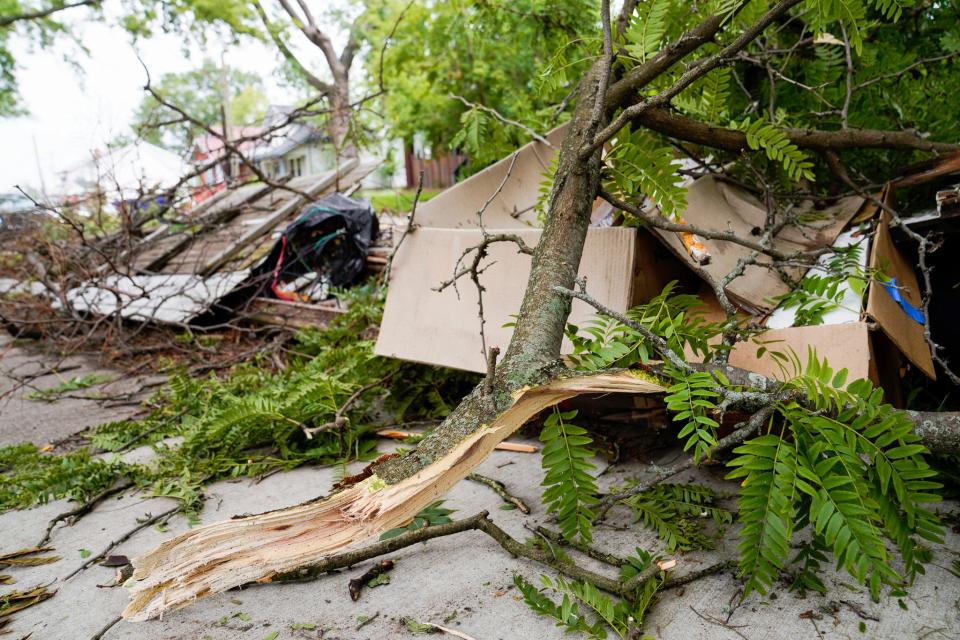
[330, 238]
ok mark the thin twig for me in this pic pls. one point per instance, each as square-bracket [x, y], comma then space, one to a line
[501, 490]
[411, 226]
[505, 120]
[81, 510]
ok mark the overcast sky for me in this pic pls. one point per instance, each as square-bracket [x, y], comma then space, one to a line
[71, 114]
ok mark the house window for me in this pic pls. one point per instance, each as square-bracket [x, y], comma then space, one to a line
[296, 166]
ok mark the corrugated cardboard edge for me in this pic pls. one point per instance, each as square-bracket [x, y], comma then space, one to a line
[511, 207]
[904, 332]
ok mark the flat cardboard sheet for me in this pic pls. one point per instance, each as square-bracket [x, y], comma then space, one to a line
[512, 207]
[842, 345]
[423, 325]
[714, 204]
[904, 332]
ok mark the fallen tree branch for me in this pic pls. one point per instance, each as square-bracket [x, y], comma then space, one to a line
[582, 547]
[479, 522]
[81, 510]
[216, 557]
[501, 490]
[355, 586]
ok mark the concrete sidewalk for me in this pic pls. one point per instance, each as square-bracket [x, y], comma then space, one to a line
[464, 582]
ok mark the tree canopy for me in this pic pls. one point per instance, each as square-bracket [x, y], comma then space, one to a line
[200, 92]
[521, 59]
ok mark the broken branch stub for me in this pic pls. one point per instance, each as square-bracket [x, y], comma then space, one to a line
[223, 555]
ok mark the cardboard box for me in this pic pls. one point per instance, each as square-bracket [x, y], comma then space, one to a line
[624, 267]
[443, 328]
[855, 345]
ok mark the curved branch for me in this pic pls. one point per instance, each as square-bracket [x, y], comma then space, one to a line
[288, 55]
[683, 128]
[40, 14]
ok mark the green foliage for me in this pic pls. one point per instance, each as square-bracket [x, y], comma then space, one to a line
[678, 512]
[641, 167]
[570, 489]
[29, 477]
[847, 467]
[249, 422]
[609, 614]
[810, 557]
[544, 189]
[431, 515]
[73, 384]
[692, 399]
[708, 97]
[398, 201]
[518, 57]
[199, 92]
[647, 29]
[677, 318]
[834, 464]
[765, 136]
[566, 613]
[472, 135]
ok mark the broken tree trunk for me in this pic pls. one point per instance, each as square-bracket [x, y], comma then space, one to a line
[217, 557]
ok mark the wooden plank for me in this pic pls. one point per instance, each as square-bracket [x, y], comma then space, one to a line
[213, 215]
[285, 313]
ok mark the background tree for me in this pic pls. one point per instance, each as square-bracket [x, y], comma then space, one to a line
[200, 92]
[521, 59]
[39, 23]
[42, 23]
[337, 87]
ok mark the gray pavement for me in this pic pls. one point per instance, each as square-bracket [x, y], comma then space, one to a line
[464, 582]
[26, 420]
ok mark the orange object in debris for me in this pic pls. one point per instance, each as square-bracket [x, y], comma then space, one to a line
[694, 245]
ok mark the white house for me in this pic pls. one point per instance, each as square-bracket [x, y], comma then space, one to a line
[296, 149]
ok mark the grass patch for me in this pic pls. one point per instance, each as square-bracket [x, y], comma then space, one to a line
[396, 200]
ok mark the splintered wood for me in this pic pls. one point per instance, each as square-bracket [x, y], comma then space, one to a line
[223, 555]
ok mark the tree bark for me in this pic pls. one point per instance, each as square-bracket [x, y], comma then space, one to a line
[339, 122]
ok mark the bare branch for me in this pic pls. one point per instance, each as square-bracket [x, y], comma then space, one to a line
[40, 14]
[505, 120]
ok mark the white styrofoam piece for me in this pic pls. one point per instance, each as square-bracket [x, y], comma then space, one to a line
[173, 298]
[850, 304]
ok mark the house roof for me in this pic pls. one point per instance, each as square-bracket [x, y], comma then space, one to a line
[213, 144]
[286, 140]
[128, 171]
